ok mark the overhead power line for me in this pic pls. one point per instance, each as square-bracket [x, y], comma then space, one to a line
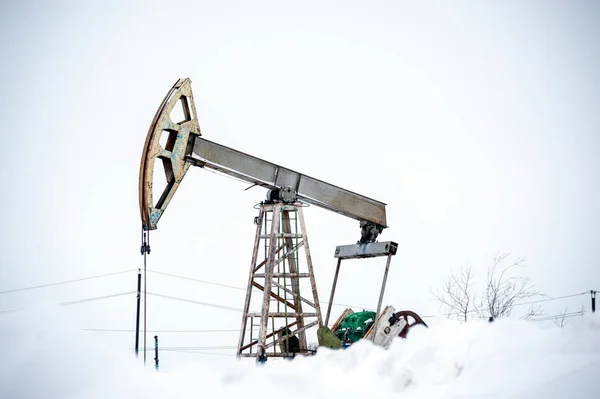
[240, 288]
[213, 305]
[97, 298]
[349, 306]
[517, 304]
[191, 348]
[334, 304]
[160, 331]
[559, 316]
[200, 352]
[550, 299]
[197, 280]
[11, 310]
[66, 282]
[125, 330]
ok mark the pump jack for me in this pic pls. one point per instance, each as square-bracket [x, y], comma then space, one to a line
[280, 230]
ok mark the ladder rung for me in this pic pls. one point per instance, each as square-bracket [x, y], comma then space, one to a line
[284, 314]
[269, 354]
[290, 275]
[286, 235]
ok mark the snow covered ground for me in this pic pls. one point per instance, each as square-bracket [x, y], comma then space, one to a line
[44, 356]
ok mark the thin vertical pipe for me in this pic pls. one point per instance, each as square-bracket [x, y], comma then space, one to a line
[385, 274]
[335, 278]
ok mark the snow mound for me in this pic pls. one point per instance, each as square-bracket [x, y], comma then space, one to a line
[45, 357]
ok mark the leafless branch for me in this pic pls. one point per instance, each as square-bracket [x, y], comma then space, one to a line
[456, 294]
[504, 288]
[561, 320]
[533, 311]
[503, 291]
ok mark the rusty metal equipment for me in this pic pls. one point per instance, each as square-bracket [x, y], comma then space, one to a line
[185, 147]
[281, 229]
[179, 141]
[380, 330]
[178, 144]
[361, 251]
[411, 319]
[380, 327]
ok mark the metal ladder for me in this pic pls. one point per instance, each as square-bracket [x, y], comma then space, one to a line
[281, 242]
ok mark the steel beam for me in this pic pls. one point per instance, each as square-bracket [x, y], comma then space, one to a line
[367, 250]
[269, 175]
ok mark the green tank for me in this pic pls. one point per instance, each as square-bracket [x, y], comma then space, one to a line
[354, 326]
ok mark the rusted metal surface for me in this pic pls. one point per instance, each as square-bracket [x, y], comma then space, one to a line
[185, 147]
[306, 301]
[284, 235]
[283, 275]
[299, 331]
[313, 283]
[412, 319]
[250, 279]
[289, 255]
[252, 343]
[409, 317]
[279, 269]
[278, 261]
[178, 145]
[281, 314]
[270, 354]
[261, 264]
[251, 329]
[264, 315]
[274, 295]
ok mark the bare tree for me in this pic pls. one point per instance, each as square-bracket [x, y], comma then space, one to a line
[457, 294]
[533, 311]
[503, 290]
[561, 320]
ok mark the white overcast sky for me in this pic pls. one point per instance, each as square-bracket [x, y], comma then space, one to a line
[477, 123]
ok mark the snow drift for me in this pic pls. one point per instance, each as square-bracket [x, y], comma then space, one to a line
[44, 356]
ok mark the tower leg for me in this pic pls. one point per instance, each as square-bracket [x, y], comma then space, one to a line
[269, 266]
[280, 268]
[313, 283]
[259, 222]
[291, 258]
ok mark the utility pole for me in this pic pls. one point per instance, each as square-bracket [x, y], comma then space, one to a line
[156, 351]
[137, 317]
[145, 249]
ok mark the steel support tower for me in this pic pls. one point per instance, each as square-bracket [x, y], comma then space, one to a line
[276, 273]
